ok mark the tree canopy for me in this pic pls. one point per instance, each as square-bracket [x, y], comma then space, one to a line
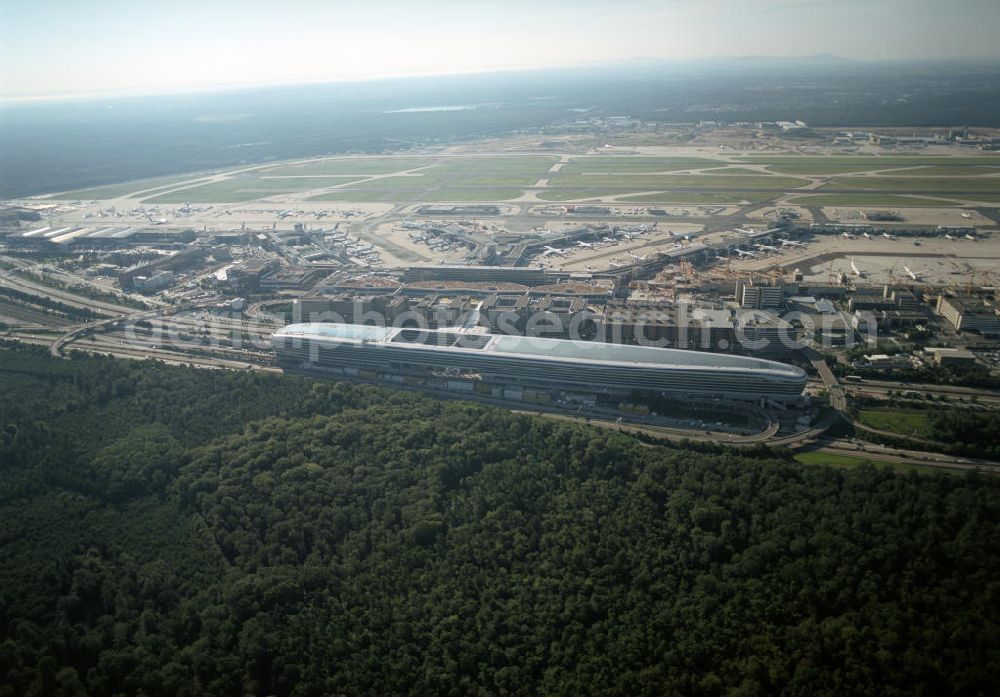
[172, 531]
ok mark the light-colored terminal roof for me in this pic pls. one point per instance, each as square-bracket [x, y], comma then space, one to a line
[545, 349]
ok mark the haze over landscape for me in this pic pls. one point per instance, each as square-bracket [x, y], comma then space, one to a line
[499, 348]
[50, 47]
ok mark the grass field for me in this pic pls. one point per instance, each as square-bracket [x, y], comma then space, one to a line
[149, 186]
[637, 165]
[936, 185]
[634, 179]
[828, 165]
[733, 170]
[869, 200]
[698, 197]
[646, 182]
[245, 188]
[985, 198]
[950, 171]
[850, 462]
[400, 195]
[662, 196]
[456, 179]
[350, 166]
[912, 423]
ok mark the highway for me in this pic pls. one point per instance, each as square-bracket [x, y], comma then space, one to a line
[882, 387]
[206, 341]
[24, 285]
[879, 453]
[838, 400]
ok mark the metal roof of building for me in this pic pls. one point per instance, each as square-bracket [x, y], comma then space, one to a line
[541, 348]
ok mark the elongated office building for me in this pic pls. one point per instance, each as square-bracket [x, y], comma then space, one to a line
[528, 368]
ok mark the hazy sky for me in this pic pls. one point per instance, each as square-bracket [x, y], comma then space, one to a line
[83, 46]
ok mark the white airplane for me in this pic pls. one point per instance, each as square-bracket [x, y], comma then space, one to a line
[588, 245]
[637, 257]
[747, 231]
[767, 248]
[744, 254]
[847, 235]
[970, 237]
[966, 215]
[616, 263]
[857, 272]
[866, 235]
[949, 236]
[888, 236]
[410, 225]
[791, 243]
[911, 274]
[553, 250]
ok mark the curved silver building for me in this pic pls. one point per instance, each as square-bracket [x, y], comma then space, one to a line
[461, 360]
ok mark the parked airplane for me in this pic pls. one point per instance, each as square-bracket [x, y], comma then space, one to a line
[857, 272]
[888, 236]
[911, 274]
[866, 235]
[588, 245]
[767, 248]
[847, 235]
[791, 243]
[553, 250]
[747, 231]
[744, 254]
[949, 236]
[970, 237]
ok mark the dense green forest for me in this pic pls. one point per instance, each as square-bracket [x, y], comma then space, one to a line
[968, 432]
[173, 531]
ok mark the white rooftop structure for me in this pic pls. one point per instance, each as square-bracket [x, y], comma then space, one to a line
[538, 362]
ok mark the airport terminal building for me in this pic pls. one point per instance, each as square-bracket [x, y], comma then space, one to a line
[528, 368]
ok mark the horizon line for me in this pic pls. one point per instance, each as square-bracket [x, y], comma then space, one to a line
[139, 92]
